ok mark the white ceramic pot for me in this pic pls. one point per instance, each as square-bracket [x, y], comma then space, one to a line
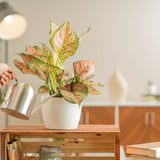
[57, 113]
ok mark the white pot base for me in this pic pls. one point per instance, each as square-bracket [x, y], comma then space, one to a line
[60, 114]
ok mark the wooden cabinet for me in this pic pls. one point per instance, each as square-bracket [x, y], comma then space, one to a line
[139, 124]
[154, 124]
[134, 123]
[97, 115]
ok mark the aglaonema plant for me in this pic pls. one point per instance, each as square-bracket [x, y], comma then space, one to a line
[48, 65]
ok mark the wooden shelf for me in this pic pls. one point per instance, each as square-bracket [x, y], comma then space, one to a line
[84, 139]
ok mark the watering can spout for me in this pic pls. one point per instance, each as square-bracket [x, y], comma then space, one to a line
[45, 100]
[19, 100]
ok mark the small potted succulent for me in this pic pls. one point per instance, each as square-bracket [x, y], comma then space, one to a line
[48, 65]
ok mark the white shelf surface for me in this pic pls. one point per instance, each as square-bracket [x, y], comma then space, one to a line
[128, 103]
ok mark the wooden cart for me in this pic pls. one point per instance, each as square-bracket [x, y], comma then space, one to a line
[87, 142]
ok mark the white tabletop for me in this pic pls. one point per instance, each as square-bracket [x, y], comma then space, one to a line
[125, 104]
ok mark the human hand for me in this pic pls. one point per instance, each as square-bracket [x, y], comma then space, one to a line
[6, 74]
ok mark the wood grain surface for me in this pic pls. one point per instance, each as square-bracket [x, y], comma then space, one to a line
[85, 139]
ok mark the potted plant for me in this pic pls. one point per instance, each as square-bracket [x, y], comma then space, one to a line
[48, 66]
[152, 88]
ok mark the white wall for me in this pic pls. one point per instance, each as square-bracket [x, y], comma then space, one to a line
[124, 33]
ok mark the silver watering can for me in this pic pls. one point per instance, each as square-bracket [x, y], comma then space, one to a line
[19, 100]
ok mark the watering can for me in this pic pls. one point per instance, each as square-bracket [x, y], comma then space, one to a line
[19, 100]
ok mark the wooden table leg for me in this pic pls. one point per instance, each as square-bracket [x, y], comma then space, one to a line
[117, 146]
[3, 147]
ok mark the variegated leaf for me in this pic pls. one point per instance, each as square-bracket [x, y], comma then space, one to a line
[36, 63]
[29, 70]
[58, 62]
[62, 75]
[82, 36]
[46, 50]
[41, 74]
[53, 29]
[70, 80]
[24, 68]
[74, 92]
[48, 54]
[92, 90]
[86, 79]
[65, 42]
[26, 58]
[85, 69]
[43, 89]
[91, 83]
[36, 52]
[48, 68]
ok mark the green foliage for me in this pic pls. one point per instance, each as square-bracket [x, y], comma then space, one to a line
[48, 65]
[1, 100]
[150, 83]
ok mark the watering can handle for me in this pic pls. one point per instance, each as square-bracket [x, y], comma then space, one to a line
[39, 105]
[2, 94]
[1, 91]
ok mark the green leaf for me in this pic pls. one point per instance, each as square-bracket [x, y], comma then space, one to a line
[53, 82]
[24, 68]
[32, 62]
[26, 57]
[74, 92]
[59, 76]
[43, 89]
[36, 63]
[65, 42]
[41, 74]
[62, 75]
[52, 32]
[28, 70]
[85, 69]
[92, 90]
[48, 54]
[58, 62]
[46, 50]
[82, 36]
[36, 52]
[48, 68]
[91, 83]
[68, 81]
